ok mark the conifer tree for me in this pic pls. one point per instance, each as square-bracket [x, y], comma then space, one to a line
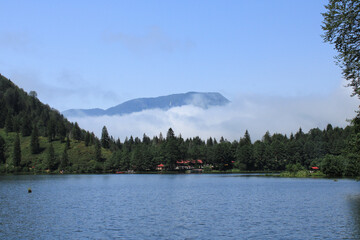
[26, 126]
[17, 152]
[51, 130]
[64, 161]
[105, 139]
[9, 123]
[34, 143]
[61, 130]
[76, 132]
[51, 159]
[2, 150]
[98, 151]
[67, 142]
[87, 139]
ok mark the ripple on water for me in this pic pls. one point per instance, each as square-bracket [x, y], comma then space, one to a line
[177, 207]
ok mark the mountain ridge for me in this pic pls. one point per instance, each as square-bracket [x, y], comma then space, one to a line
[199, 99]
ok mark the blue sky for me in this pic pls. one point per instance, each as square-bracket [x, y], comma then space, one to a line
[87, 54]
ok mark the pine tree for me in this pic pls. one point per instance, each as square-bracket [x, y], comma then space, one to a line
[34, 143]
[170, 134]
[26, 126]
[2, 150]
[172, 151]
[9, 127]
[87, 139]
[64, 161]
[17, 152]
[51, 130]
[61, 130]
[67, 142]
[76, 132]
[105, 139]
[98, 151]
[50, 161]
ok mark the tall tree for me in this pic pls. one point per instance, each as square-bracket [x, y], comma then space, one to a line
[9, 123]
[172, 152]
[26, 126]
[51, 130]
[64, 161]
[87, 138]
[34, 143]
[50, 161]
[98, 156]
[2, 150]
[244, 153]
[61, 130]
[67, 143]
[105, 139]
[342, 28]
[17, 151]
[76, 132]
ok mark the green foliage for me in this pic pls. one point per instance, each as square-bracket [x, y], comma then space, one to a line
[301, 174]
[105, 139]
[87, 139]
[352, 166]
[34, 144]
[2, 150]
[333, 166]
[9, 123]
[98, 156]
[294, 167]
[244, 153]
[26, 128]
[79, 155]
[67, 142]
[172, 151]
[50, 162]
[17, 152]
[76, 132]
[64, 160]
[335, 150]
[342, 28]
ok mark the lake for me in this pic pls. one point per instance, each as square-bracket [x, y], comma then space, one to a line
[204, 206]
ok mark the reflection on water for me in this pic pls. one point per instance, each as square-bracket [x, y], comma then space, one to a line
[354, 203]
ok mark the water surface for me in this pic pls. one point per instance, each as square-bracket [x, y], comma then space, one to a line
[178, 207]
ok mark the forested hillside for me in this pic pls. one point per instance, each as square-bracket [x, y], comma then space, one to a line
[36, 138]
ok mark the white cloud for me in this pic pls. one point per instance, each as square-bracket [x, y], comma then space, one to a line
[70, 90]
[257, 114]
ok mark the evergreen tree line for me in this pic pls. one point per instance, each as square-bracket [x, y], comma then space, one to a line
[335, 151]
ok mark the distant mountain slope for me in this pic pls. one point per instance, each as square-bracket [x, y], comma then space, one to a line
[203, 100]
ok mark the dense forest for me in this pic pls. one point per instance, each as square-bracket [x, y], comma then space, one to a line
[36, 138]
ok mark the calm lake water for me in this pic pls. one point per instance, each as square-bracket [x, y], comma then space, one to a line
[177, 207]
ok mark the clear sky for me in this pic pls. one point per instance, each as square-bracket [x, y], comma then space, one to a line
[87, 54]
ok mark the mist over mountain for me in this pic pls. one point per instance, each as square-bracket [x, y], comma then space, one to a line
[198, 99]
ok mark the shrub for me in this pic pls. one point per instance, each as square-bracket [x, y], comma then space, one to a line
[333, 166]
